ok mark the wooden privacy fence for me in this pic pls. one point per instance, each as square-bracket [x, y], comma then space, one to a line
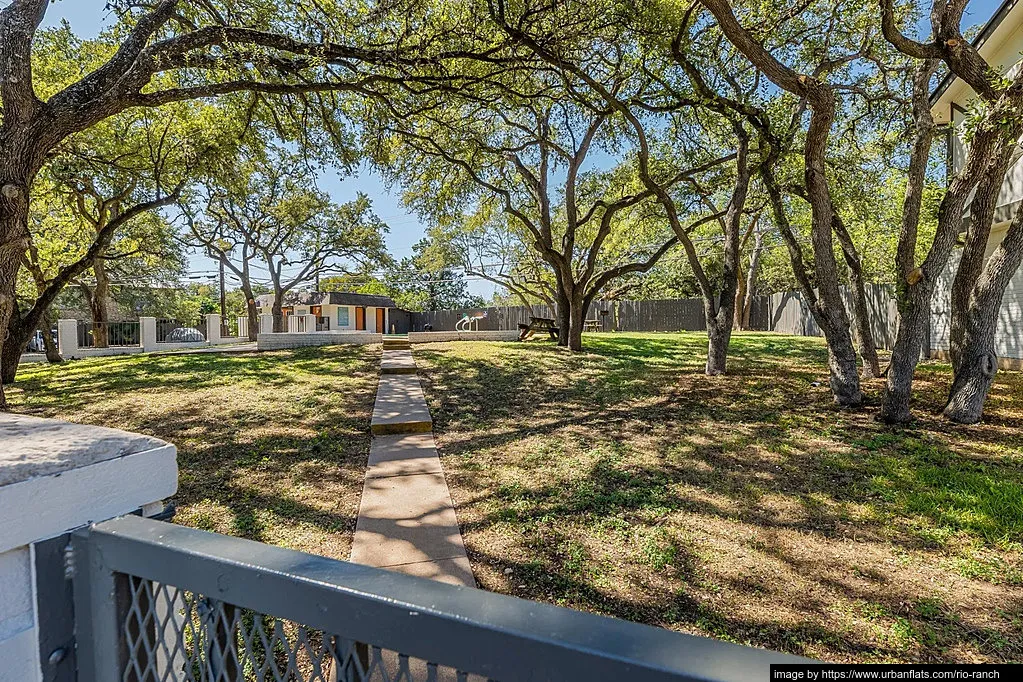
[789, 313]
[786, 312]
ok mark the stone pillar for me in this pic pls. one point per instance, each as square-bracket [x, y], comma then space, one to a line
[310, 323]
[147, 333]
[67, 339]
[54, 477]
[213, 327]
[266, 323]
[243, 327]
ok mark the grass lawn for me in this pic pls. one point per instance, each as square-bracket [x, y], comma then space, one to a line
[271, 446]
[745, 507]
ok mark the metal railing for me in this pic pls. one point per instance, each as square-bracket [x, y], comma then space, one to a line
[228, 327]
[108, 334]
[158, 601]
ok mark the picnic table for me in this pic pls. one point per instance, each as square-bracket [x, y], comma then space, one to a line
[593, 326]
[538, 324]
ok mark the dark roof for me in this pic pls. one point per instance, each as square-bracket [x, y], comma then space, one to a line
[327, 298]
[996, 19]
[340, 298]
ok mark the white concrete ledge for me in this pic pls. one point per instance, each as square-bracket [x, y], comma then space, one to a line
[55, 476]
[285, 340]
[489, 335]
[178, 345]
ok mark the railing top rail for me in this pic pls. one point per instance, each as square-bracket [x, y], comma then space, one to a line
[502, 637]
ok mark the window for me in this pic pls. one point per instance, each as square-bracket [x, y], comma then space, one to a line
[342, 317]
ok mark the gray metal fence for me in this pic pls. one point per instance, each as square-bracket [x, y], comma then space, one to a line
[158, 601]
[784, 312]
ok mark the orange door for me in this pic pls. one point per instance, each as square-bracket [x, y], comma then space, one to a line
[360, 318]
[380, 320]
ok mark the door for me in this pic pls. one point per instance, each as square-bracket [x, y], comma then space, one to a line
[360, 319]
[380, 321]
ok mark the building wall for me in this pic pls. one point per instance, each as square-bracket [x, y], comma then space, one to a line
[954, 105]
[1009, 332]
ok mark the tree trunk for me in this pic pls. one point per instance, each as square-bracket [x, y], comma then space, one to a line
[976, 323]
[277, 310]
[740, 300]
[98, 305]
[576, 318]
[906, 354]
[563, 313]
[250, 309]
[20, 328]
[975, 372]
[982, 174]
[719, 335]
[52, 352]
[751, 278]
[13, 242]
[10, 358]
[843, 378]
[861, 311]
[861, 318]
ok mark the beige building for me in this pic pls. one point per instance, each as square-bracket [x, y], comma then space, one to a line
[343, 312]
[1000, 42]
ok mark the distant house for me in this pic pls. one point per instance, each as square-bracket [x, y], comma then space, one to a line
[337, 311]
[1000, 42]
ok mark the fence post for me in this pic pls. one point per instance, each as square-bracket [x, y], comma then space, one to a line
[147, 333]
[67, 338]
[102, 600]
[213, 328]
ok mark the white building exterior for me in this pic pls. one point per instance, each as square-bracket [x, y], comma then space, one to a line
[340, 312]
[1001, 44]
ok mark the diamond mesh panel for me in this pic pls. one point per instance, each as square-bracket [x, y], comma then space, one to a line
[170, 634]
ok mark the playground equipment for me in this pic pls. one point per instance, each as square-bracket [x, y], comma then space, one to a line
[468, 323]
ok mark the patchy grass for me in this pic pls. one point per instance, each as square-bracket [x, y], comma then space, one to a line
[271, 446]
[746, 507]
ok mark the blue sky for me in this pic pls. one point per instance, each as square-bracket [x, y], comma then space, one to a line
[88, 17]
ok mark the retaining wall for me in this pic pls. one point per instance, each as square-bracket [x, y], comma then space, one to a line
[285, 340]
[482, 335]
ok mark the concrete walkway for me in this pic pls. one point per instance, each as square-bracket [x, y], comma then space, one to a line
[406, 518]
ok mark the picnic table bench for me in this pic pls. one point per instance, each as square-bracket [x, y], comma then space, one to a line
[538, 324]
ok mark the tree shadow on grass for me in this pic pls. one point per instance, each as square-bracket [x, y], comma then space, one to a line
[271, 446]
[545, 449]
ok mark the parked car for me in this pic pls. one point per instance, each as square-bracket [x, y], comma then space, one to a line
[35, 344]
[182, 334]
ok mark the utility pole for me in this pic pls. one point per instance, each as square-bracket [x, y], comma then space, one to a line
[223, 293]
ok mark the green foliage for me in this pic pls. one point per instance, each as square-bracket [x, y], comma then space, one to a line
[421, 282]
